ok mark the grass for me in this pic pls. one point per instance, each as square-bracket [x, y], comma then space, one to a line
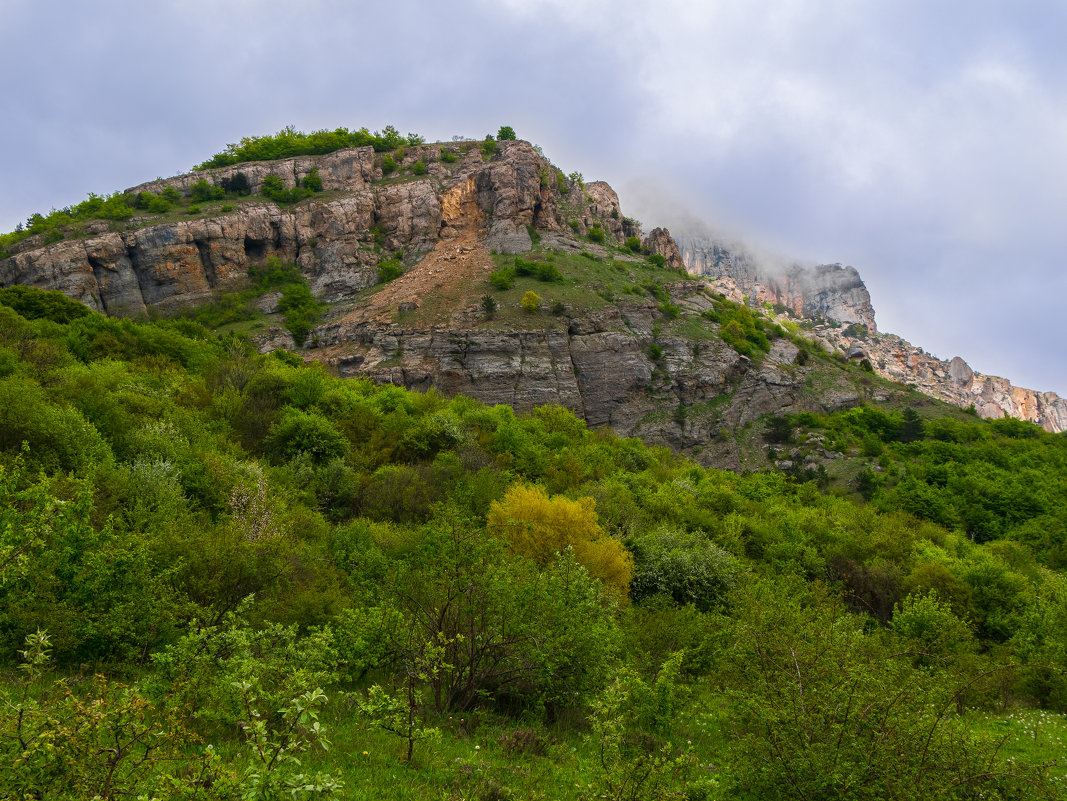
[590, 284]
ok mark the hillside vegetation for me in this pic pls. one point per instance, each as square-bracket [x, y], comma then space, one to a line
[216, 563]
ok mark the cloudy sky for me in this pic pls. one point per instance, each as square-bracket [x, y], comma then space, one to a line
[924, 143]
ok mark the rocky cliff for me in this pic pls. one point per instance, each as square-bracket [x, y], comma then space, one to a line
[829, 291]
[144, 264]
[952, 380]
[653, 369]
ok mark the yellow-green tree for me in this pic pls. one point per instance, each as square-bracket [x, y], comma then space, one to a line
[530, 302]
[538, 526]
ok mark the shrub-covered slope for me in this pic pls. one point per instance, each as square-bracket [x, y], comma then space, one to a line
[260, 557]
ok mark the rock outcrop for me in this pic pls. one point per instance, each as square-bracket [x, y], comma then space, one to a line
[446, 224]
[334, 242]
[599, 366]
[952, 381]
[660, 242]
[829, 291]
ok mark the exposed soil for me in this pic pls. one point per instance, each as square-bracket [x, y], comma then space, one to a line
[447, 281]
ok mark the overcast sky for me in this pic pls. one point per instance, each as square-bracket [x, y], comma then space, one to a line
[924, 143]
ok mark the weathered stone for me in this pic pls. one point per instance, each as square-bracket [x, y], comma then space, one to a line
[660, 241]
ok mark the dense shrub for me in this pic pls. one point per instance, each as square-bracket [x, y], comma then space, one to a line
[389, 270]
[502, 278]
[530, 302]
[237, 184]
[312, 180]
[42, 304]
[202, 191]
[290, 142]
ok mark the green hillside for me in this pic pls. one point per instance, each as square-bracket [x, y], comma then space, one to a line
[215, 563]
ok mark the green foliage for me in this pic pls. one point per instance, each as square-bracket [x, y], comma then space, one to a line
[419, 167]
[686, 567]
[633, 244]
[274, 188]
[669, 310]
[237, 184]
[531, 302]
[448, 156]
[388, 164]
[290, 142]
[505, 133]
[502, 278]
[373, 524]
[302, 312]
[201, 191]
[53, 225]
[490, 147]
[489, 306]
[596, 233]
[542, 271]
[740, 328]
[312, 181]
[824, 713]
[42, 304]
[100, 740]
[389, 270]
[634, 758]
[299, 432]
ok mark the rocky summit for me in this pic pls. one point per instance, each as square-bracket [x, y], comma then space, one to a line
[514, 284]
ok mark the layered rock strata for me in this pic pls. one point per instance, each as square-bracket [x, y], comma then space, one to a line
[951, 380]
[829, 291]
[334, 241]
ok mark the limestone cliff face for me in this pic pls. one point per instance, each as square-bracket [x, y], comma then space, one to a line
[162, 266]
[828, 290]
[952, 381]
[447, 223]
[599, 366]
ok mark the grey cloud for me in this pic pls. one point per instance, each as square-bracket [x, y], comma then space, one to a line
[922, 143]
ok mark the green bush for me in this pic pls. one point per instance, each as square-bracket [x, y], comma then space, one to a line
[42, 304]
[202, 192]
[237, 184]
[505, 133]
[489, 147]
[389, 270]
[530, 302]
[489, 306]
[633, 244]
[313, 180]
[274, 188]
[542, 271]
[419, 167]
[302, 311]
[657, 260]
[669, 310]
[502, 278]
[596, 233]
[291, 142]
[448, 156]
[388, 164]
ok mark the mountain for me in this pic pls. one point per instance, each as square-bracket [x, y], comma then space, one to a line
[835, 296]
[624, 337]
